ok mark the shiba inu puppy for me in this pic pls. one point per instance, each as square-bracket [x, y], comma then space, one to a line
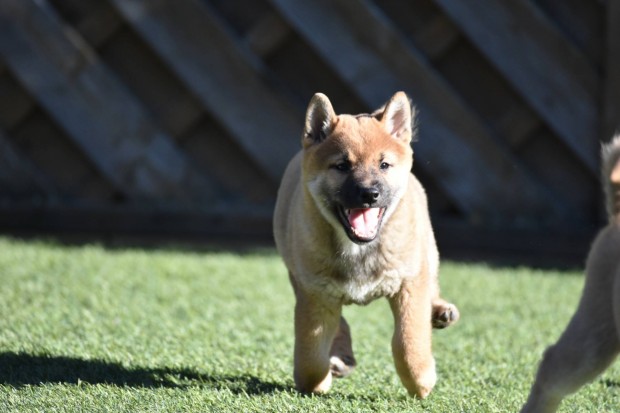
[351, 223]
[591, 340]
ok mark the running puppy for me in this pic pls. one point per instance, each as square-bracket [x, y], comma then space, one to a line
[591, 340]
[352, 225]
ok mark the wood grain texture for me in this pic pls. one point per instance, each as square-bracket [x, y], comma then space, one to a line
[178, 114]
[200, 52]
[550, 74]
[92, 107]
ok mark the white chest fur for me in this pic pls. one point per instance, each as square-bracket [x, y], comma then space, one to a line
[357, 274]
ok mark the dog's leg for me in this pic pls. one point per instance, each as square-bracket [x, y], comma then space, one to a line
[411, 343]
[588, 345]
[316, 326]
[342, 361]
[444, 314]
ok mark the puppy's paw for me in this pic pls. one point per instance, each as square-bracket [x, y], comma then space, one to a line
[424, 383]
[424, 389]
[312, 384]
[444, 314]
[341, 366]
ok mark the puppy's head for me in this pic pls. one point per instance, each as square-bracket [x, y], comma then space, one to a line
[357, 168]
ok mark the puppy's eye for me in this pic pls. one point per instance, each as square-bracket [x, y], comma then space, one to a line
[343, 166]
[384, 165]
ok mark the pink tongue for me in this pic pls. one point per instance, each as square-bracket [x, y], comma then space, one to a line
[364, 221]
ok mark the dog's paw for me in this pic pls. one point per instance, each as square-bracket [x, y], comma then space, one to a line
[425, 385]
[341, 366]
[420, 383]
[444, 314]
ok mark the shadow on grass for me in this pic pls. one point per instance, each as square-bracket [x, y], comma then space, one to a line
[18, 369]
[611, 383]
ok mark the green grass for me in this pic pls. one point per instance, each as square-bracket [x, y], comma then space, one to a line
[126, 330]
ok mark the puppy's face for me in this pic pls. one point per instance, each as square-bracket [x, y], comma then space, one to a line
[357, 167]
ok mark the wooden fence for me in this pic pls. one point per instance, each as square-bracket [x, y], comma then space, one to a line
[177, 117]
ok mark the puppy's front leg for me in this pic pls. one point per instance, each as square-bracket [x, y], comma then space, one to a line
[316, 325]
[411, 343]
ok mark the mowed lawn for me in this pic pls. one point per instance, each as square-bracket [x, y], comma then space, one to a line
[90, 329]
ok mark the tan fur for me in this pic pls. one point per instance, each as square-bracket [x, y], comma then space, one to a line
[328, 270]
[591, 340]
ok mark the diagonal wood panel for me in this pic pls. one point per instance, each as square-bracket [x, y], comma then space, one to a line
[19, 175]
[92, 106]
[79, 126]
[375, 61]
[550, 74]
[195, 46]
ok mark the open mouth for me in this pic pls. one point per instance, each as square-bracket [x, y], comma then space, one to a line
[361, 224]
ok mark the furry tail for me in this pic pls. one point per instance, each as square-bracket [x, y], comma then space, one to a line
[610, 155]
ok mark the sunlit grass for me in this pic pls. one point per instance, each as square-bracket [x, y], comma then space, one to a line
[172, 330]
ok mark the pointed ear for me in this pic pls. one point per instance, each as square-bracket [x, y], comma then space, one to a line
[319, 119]
[397, 118]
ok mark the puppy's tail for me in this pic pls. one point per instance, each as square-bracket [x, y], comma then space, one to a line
[610, 154]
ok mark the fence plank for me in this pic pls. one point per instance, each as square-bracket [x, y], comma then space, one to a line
[92, 107]
[543, 67]
[95, 20]
[267, 34]
[374, 60]
[15, 104]
[581, 21]
[197, 48]
[19, 175]
[611, 110]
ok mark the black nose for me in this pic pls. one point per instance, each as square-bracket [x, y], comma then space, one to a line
[369, 195]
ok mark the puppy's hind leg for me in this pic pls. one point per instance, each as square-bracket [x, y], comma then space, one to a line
[342, 362]
[587, 347]
[444, 314]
